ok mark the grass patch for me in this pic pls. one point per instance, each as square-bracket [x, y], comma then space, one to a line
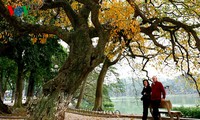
[192, 112]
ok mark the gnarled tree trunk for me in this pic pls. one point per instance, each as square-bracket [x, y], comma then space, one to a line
[80, 62]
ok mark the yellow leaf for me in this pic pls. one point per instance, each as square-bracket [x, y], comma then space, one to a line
[34, 40]
[43, 40]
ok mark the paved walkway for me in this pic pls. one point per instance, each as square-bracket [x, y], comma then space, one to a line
[72, 116]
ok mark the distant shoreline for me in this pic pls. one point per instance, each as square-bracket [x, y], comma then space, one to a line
[133, 104]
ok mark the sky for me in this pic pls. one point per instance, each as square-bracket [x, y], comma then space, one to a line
[125, 71]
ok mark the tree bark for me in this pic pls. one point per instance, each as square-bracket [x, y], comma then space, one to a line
[99, 88]
[80, 97]
[47, 107]
[31, 84]
[51, 106]
[19, 86]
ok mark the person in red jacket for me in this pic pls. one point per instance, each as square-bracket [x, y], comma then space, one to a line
[157, 94]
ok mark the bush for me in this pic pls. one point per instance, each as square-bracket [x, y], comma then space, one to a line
[192, 112]
[108, 106]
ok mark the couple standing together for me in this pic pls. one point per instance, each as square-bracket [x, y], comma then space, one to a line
[152, 95]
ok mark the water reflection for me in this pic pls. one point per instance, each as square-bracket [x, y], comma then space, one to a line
[133, 105]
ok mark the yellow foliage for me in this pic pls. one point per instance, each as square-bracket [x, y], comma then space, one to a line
[120, 16]
[75, 5]
[34, 40]
[43, 40]
[50, 35]
[45, 35]
[57, 23]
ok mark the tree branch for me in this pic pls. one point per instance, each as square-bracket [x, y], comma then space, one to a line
[138, 11]
[73, 17]
[187, 28]
[148, 31]
[23, 27]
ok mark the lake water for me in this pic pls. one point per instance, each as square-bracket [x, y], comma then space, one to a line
[133, 105]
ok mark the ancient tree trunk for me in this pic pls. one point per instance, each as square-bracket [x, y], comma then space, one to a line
[55, 100]
[46, 108]
[19, 87]
[80, 97]
[74, 71]
[99, 88]
[31, 83]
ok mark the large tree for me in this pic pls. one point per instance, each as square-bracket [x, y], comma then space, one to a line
[83, 56]
[173, 30]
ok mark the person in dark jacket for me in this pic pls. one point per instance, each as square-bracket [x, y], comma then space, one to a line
[146, 98]
[157, 90]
